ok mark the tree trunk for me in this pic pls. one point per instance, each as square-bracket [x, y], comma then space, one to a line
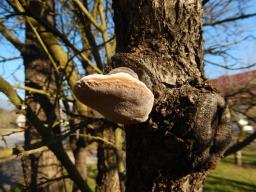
[238, 158]
[188, 128]
[80, 153]
[39, 74]
[108, 178]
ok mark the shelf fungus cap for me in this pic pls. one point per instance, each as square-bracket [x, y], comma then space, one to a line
[120, 97]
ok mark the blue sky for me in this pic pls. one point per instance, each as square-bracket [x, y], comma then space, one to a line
[244, 52]
[13, 71]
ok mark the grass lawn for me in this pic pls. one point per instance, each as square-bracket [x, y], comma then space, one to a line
[228, 177]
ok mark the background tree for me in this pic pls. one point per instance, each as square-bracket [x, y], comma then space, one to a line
[240, 91]
[40, 74]
[227, 31]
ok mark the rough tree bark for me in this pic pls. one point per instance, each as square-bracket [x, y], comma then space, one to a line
[40, 74]
[189, 128]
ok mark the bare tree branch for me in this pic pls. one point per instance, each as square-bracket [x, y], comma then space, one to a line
[10, 154]
[3, 59]
[238, 146]
[204, 2]
[55, 32]
[86, 33]
[230, 66]
[12, 38]
[88, 15]
[231, 19]
[47, 135]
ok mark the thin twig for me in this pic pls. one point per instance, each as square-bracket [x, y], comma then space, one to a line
[33, 90]
[230, 19]
[19, 154]
[95, 138]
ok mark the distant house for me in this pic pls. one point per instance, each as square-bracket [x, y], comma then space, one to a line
[241, 91]
[233, 83]
[21, 121]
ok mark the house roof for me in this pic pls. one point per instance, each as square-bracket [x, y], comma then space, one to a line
[231, 83]
[241, 89]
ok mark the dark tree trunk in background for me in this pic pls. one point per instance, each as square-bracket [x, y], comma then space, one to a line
[80, 154]
[188, 129]
[108, 178]
[40, 74]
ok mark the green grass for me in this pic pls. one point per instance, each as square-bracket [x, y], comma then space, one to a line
[228, 177]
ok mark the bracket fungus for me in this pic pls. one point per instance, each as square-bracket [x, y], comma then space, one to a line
[119, 96]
